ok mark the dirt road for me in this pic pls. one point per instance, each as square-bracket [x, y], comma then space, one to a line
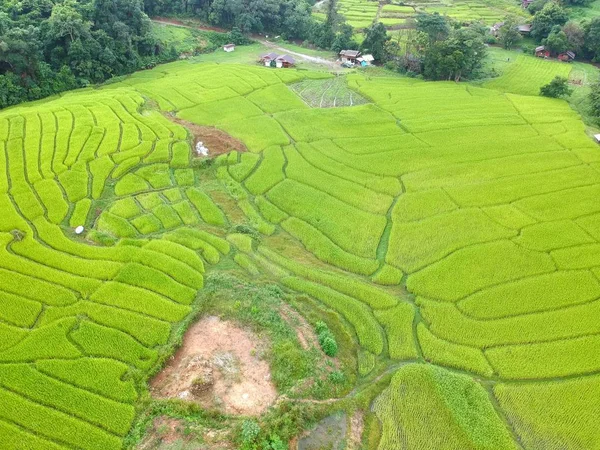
[330, 63]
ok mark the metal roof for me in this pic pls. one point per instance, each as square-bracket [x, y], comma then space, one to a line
[350, 53]
[287, 59]
[269, 56]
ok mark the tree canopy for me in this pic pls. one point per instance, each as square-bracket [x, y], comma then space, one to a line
[49, 47]
[558, 87]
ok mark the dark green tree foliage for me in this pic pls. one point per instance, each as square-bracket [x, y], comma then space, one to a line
[558, 87]
[575, 36]
[459, 56]
[508, 34]
[343, 39]
[435, 26]
[536, 6]
[326, 339]
[551, 15]
[594, 101]
[592, 37]
[375, 38]
[48, 47]
[288, 18]
[557, 41]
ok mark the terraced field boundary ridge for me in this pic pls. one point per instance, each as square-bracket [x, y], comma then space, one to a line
[448, 235]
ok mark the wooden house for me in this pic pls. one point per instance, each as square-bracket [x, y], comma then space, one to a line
[541, 52]
[494, 29]
[567, 56]
[365, 60]
[229, 48]
[524, 29]
[268, 58]
[285, 61]
[349, 56]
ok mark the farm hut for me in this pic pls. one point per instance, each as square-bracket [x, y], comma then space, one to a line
[495, 28]
[541, 52]
[285, 61]
[229, 48]
[597, 138]
[524, 29]
[267, 58]
[349, 56]
[525, 3]
[365, 60]
[567, 56]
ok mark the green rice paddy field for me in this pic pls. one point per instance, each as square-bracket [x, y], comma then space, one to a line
[361, 14]
[454, 229]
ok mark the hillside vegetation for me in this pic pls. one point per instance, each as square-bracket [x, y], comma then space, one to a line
[454, 229]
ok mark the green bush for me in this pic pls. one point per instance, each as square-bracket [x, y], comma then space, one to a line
[326, 339]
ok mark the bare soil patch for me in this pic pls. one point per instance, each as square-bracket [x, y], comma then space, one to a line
[357, 425]
[217, 141]
[218, 366]
[168, 433]
[304, 331]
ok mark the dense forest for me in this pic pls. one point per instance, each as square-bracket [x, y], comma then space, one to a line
[289, 17]
[48, 47]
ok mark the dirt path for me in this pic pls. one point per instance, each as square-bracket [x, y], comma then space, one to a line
[329, 63]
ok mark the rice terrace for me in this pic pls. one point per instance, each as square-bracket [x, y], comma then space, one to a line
[218, 253]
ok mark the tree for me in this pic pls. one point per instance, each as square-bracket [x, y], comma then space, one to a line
[375, 38]
[66, 21]
[558, 87]
[594, 99]
[552, 14]
[459, 56]
[592, 37]
[343, 39]
[508, 34]
[536, 6]
[557, 41]
[575, 36]
[236, 37]
[332, 14]
[435, 26]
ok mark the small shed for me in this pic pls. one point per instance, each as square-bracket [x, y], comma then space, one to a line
[267, 58]
[229, 48]
[349, 56]
[285, 61]
[365, 60]
[524, 28]
[525, 3]
[495, 28]
[567, 56]
[597, 138]
[541, 52]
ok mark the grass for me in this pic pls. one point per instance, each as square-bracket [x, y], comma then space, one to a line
[452, 225]
[527, 74]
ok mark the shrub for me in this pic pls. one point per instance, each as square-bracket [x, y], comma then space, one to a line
[326, 339]
[558, 87]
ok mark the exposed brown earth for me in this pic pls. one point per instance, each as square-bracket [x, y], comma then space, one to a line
[168, 433]
[305, 333]
[217, 141]
[218, 366]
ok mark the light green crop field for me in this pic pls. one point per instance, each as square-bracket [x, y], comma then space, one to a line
[526, 74]
[453, 229]
[361, 14]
